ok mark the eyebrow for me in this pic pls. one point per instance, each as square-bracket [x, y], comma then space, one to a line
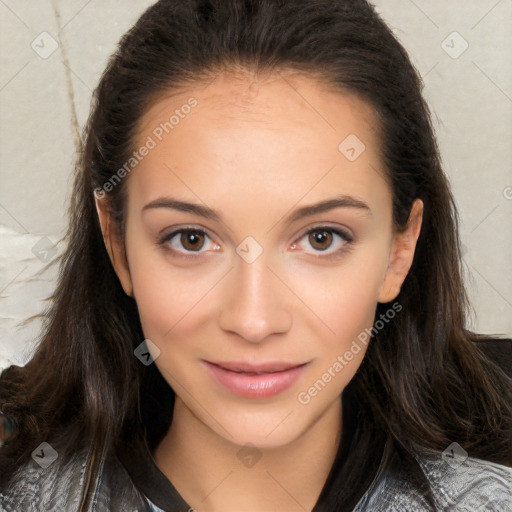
[327, 205]
[183, 206]
[300, 213]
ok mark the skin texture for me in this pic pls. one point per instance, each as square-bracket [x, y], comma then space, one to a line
[256, 151]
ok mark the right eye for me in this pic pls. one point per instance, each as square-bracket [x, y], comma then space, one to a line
[188, 241]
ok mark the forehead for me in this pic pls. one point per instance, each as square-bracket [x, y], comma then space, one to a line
[244, 95]
[285, 131]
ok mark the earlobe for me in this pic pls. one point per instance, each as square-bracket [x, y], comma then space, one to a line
[114, 246]
[402, 255]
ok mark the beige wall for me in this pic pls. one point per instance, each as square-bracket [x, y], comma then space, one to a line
[44, 98]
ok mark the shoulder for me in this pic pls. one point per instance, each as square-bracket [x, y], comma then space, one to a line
[465, 482]
[46, 484]
[58, 487]
[428, 481]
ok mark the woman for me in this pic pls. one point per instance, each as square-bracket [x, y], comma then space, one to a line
[261, 305]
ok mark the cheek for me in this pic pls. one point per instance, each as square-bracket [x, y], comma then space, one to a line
[170, 302]
[169, 298]
[343, 297]
[346, 305]
[348, 311]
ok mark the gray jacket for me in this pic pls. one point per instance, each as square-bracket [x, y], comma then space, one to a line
[456, 483]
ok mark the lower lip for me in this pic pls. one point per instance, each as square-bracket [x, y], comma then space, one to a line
[255, 386]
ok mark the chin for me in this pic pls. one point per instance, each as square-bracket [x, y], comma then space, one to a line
[263, 431]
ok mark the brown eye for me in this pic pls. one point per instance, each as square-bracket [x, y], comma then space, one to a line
[320, 240]
[192, 240]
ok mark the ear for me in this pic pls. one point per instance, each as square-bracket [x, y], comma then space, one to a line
[114, 245]
[402, 254]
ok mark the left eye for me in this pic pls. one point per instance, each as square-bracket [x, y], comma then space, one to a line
[326, 240]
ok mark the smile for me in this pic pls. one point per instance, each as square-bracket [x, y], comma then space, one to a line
[255, 381]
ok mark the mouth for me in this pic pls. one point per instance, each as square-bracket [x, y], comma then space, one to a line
[259, 380]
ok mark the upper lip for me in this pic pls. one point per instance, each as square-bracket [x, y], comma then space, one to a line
[263, 367]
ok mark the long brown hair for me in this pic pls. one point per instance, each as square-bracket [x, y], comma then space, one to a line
[423, 380]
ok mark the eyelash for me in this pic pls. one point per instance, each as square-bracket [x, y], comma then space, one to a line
[164, 239]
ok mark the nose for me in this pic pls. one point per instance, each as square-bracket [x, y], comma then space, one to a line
[256, 306]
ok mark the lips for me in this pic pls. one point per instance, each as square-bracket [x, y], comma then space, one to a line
[249, 380]
[256, 369]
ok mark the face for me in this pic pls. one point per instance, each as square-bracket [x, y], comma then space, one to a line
[259, 241]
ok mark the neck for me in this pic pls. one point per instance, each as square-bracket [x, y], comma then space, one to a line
[213, 474]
